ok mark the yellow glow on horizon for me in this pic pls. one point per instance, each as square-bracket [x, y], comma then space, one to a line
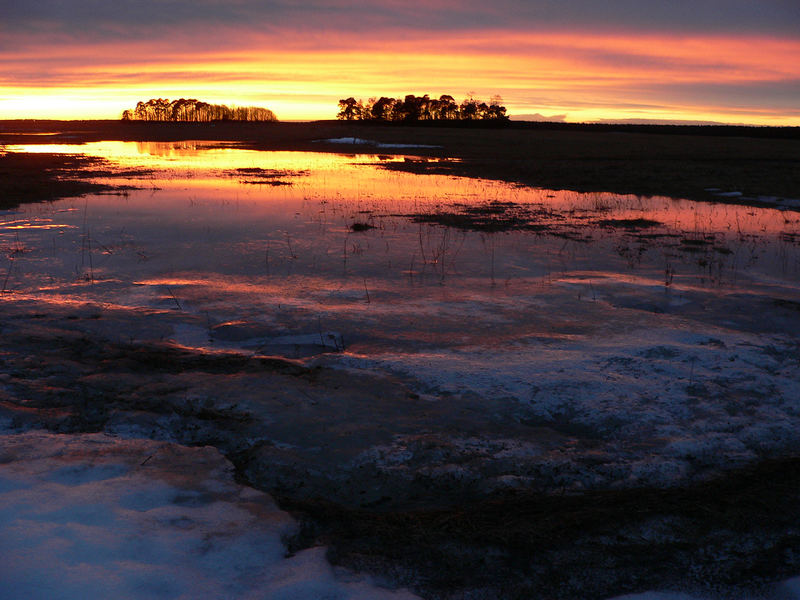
[588, 77]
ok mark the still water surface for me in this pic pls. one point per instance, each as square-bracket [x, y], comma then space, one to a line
[238, 234]
[249, 247]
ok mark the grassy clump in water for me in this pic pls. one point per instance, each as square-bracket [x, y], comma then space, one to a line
[358, 226]
[629, 223]
[42, 177]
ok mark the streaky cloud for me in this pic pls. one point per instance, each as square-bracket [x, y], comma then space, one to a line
[134, 18]
[587, 60]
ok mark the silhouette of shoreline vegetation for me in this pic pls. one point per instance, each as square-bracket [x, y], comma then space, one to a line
[161, 109]
[412, 109]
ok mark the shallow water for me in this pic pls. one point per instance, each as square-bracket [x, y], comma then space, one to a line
[219, 229]
[629, 330]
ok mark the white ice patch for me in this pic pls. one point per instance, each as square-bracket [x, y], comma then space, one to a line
[92, 516]
[697, 401]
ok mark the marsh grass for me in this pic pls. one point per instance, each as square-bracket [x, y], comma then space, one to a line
[8, 274]
[174, 298]
[361, 226]
[261, 176]
[629, 224]
[486, 217]
[38, 177]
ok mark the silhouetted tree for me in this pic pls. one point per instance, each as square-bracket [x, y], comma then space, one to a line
[413, 108]
[496, 111]
[350, 109]
[469, 109]
[161, 109]
[448, 109]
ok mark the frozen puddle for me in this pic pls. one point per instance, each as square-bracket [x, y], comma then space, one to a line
[92, 517]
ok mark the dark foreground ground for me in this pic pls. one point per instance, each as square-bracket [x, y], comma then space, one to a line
[676, 161]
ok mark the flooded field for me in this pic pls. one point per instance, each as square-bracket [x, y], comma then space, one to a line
[437, 338]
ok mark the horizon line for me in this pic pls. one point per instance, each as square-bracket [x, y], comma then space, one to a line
[512, 118]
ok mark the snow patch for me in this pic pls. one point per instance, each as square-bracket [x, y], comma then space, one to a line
[701, 401]
[92, 516]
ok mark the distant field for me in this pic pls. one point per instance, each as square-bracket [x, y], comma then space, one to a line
[678, 161]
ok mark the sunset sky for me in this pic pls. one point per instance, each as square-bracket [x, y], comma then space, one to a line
[732, 61]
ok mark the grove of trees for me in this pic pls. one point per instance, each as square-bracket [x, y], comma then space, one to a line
[161, 109]
[421, 108]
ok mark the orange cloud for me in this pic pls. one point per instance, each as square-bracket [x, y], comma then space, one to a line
[586, 75]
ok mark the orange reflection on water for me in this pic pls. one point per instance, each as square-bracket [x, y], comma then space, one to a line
[26, 224]
[325, 182]
[193, 155]
[197, 240]
[171, 148]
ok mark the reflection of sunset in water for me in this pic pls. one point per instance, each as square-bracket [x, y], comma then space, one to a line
[170, 148]
[195, 155]
[210, 169]
[213, 215]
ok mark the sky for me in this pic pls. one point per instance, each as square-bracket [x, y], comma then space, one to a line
[728, 61]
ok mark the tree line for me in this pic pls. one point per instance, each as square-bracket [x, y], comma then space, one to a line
[421, 108]
[161, 109]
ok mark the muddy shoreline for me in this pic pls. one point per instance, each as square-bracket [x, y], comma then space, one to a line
[34, 177]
